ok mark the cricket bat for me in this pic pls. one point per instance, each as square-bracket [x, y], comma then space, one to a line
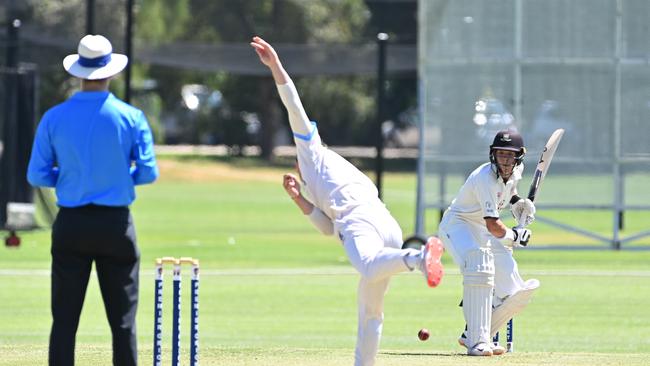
[544, 163]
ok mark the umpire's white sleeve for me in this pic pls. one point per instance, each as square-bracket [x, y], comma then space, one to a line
[321, 221]
[298, 119]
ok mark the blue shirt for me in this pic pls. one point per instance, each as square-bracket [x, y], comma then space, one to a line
[94, 149]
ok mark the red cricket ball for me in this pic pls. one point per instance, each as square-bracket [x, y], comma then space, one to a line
[12, 240]
[423, 334]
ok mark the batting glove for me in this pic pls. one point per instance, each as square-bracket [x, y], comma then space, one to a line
[522, 235]
[523, 210]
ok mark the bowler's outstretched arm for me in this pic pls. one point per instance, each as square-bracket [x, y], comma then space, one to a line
[300, 124]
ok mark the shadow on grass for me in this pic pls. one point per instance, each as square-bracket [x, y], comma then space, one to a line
[418, 354]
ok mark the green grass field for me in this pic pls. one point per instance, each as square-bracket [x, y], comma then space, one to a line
[275, 292]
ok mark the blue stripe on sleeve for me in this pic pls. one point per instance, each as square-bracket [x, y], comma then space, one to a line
[308, 136]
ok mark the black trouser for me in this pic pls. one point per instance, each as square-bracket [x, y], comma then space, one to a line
[105, 235]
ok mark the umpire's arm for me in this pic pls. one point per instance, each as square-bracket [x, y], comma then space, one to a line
[145, 169]
[41, 171]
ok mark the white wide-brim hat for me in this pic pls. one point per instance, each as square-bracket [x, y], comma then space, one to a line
[95, 59]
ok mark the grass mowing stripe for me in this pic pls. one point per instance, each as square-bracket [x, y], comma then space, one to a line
[275, 292]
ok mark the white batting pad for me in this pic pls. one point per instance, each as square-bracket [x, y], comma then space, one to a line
[512, 306]
[478, 284]
[507, 280]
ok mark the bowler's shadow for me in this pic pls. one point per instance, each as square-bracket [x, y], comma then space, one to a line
[393, 353]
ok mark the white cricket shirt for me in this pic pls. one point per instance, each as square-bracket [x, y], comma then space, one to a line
[333, 184]
[484, 195]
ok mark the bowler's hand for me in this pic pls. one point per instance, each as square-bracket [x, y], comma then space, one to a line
[291, 184]
[266, 53]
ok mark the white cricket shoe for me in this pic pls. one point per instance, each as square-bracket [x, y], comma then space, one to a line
[497, 349]
[480, 349]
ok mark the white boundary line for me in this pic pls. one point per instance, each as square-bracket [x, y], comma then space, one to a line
[335, 271]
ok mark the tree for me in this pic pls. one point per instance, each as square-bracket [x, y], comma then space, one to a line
[283, 21]
[343, 105]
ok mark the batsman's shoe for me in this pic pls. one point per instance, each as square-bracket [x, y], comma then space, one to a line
[431, 266]
[480, 349]
[462, 339]
[497, 349]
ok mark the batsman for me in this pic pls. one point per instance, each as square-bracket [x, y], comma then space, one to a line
[481, 244]
[344, 202]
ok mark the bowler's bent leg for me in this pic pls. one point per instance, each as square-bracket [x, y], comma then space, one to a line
[374, 261]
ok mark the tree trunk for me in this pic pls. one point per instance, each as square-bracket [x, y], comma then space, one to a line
[271, 117]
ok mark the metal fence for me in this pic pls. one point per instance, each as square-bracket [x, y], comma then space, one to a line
[538, 65]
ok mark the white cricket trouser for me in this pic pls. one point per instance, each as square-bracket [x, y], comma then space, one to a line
[464, 240]
[467, 236]
[372, 240]
[507, 280]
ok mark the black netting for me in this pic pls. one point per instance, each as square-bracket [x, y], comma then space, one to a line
[18, 114]
[537, 66]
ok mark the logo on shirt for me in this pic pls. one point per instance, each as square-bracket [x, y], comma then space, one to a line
[488, 207]
[500, 202]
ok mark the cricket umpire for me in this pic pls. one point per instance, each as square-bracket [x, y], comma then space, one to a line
[93, 149]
